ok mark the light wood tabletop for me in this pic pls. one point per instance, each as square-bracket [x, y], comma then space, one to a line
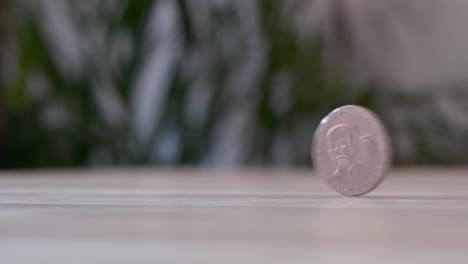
[230, 216]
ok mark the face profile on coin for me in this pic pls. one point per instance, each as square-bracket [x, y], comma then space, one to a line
[351, 150]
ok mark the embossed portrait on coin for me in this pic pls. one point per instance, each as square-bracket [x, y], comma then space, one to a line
[350, 152]
[342, 149]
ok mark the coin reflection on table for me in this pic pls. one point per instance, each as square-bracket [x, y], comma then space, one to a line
[351, 150]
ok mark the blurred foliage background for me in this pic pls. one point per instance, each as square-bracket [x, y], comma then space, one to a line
[206, 82]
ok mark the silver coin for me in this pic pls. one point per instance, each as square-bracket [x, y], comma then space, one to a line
[351, 150]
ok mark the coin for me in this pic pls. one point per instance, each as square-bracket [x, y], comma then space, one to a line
[351, 150]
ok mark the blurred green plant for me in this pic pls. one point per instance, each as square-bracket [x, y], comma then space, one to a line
[56, 118]
[171, 82]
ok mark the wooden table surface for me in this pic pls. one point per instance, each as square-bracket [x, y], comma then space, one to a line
[230, 216]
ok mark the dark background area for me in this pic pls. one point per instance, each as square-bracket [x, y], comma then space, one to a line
[225, 83]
